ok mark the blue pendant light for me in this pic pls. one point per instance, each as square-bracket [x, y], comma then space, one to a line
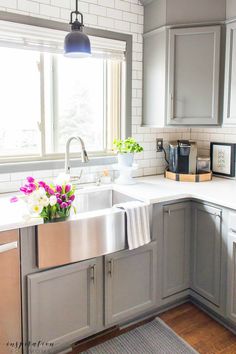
[77, 43]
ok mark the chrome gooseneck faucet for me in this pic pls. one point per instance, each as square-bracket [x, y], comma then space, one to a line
[84, 155]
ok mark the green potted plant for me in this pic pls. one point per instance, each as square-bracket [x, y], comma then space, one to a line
[126, 150]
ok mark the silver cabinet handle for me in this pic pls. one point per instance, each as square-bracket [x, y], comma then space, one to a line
[172, 106]
[93, 273]
[8, 246]
[110, 267]
[168, 211]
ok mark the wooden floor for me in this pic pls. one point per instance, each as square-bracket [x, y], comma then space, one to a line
[193, 325]
[199, 330]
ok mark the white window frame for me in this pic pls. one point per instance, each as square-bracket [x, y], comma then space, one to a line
[33, 162]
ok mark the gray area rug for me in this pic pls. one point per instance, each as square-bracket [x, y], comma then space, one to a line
[154, 337]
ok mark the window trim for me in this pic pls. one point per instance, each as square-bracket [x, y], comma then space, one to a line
[97, 158]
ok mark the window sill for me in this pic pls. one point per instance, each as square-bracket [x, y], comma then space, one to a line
[54, 164]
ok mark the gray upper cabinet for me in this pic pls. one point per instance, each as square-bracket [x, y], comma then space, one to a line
[194, 70]
[154, 78]
[206, 248]
[62, 304]
[176, 248]
[230, 76]
[231, 290]
[130, 283]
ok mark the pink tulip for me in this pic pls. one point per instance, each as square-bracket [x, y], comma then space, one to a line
[64, 205]
[42, 184]
[72, 198]
[14, 200]
[67, 188]
[59, 189]
[32, 186]
[50, 191]
[30, 179]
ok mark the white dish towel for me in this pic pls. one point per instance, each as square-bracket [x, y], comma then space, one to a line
[138, 226]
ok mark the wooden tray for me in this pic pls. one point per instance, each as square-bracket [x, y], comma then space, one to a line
[181, 177]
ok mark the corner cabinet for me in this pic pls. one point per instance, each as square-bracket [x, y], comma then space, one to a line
[130, 283]
[206, 252]
[230, 76]
[176, 248]
[62, 304]
[194, 71]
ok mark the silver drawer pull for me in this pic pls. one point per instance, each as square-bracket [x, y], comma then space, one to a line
[93, 273]
[110, 267]
[8, 246]
[232, 230]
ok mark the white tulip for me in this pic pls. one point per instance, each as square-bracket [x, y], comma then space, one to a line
[44, 201]
[41, 191]
[53, 200]
[36, 208]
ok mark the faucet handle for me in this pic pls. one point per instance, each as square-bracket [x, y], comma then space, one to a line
[76, 179]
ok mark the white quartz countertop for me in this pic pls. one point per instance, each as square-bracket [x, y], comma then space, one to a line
[153, 189]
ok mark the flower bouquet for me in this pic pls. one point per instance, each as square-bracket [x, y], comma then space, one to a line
[52, 202]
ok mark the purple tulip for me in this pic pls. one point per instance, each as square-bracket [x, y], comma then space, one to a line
[30, 179]
[14, 200]
[72, 198]
[69, 202]
[58, 195]
[59, 201]
[67, 188]
[59, 189]
[64, 205]
[63, 197]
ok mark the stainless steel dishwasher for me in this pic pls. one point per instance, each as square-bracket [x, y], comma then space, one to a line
[10, 293]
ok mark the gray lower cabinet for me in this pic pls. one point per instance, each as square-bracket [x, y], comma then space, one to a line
[231, 289]
[130, 283]
[62, 303]
[206, 252]
[176, 248]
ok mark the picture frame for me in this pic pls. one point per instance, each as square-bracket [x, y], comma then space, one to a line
[222, 159]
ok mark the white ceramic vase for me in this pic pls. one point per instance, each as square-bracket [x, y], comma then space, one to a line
[126, 159]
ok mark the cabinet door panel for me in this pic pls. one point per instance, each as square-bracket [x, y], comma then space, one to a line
[62, 303]
[154, 79]
[176, 248]
[231, 289]
[194, 67]
[207, 252]
[230, 76]
[130, 283]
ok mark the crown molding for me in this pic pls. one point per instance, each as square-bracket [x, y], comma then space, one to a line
[145, 2]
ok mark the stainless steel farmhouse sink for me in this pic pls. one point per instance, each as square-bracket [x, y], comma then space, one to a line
[97, 229]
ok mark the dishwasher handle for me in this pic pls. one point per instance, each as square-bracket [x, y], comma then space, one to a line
[8, 246]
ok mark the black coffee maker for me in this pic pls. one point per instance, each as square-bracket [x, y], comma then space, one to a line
[179, 154]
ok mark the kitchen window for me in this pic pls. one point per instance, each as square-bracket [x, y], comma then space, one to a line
[46, 98]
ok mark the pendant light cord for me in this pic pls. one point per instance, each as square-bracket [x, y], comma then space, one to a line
[76, 8]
